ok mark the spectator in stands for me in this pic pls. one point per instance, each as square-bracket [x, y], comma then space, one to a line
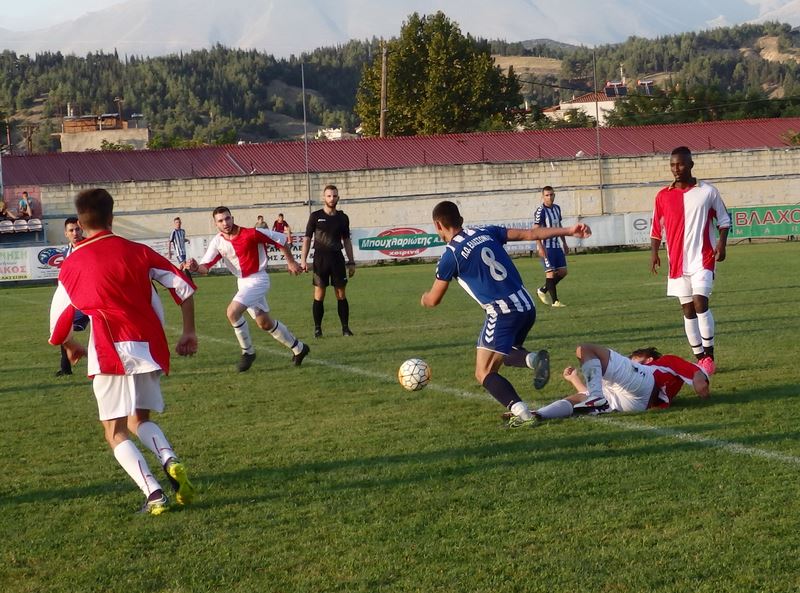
[260, 222]
[80, 320]
[25, 207]
[282, 226]
[5, 213]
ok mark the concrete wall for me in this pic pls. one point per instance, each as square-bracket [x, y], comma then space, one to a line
[406, 196]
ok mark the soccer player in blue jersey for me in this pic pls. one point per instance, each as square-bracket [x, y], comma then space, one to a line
[553, 251]
[476, 258]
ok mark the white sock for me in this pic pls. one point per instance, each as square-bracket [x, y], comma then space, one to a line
[521, 410]
[558, 409]
[132, 461]
[593, 373]
[692, 328]
[242, 331]
[282, 334]
[152, 437]
[705, 323]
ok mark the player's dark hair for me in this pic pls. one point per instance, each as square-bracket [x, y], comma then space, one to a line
[95, 208]
[330, 186]
[220, 210]
[448, 215]
[684, 151]
[650, 352]
[176, 218]
[547, 188]
[70, 220]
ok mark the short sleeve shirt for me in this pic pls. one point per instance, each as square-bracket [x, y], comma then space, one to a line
[328, 230]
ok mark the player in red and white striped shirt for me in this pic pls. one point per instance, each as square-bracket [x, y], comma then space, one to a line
[244, 253]
[111, 279]
[614, 383]
[684, 214]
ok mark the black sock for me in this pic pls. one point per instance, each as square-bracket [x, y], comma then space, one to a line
[709, 351]
[501, 389]
[517, 358]
[318, 310]
[551, 288]
[344, 312]
[66, 367]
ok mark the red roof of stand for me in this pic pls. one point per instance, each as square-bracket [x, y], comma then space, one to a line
[389, 153]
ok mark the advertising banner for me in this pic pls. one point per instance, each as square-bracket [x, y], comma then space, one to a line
[765, 221]
[403, 242]
[14, 264]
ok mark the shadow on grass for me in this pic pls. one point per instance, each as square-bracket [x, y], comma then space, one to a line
[518, 450]
[773, 392]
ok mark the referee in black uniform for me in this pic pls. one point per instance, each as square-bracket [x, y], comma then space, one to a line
[330, 229]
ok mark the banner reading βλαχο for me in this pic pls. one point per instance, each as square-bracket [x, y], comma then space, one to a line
[765, 221]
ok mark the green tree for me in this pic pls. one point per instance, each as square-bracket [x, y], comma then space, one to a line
[439, 81]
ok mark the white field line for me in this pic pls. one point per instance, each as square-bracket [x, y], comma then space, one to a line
[727, 446]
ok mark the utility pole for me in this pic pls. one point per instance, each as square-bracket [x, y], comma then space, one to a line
[27, 134]
[597, 132]
[384, 67]
[119, 101]
[305, 135]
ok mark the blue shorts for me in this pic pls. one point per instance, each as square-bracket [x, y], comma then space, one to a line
[505, 331]
[554, 259]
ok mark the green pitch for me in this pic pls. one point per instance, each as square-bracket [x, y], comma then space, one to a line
[330, 477]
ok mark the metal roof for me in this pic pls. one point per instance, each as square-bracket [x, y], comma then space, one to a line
[389, 153]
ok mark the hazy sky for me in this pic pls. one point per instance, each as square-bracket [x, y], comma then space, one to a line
[37, 14]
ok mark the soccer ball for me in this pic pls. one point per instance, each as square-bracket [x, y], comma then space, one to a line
[414, 374]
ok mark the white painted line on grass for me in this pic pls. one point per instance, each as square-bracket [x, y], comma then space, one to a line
[730, 447]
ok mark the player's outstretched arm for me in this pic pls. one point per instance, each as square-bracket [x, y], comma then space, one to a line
[291, 265]
[435, 295]
[196, 268]
[581, 231]
[187, 343]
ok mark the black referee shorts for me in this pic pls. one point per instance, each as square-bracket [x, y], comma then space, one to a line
[329, 269]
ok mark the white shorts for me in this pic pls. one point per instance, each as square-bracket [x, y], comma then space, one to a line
[690, 284]
[627, 385]
[119, 396]
[253, 293]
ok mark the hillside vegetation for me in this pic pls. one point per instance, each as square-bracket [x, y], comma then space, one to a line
[222, 95]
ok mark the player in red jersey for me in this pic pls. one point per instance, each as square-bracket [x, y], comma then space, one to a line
[647, 379]
[684, 214]
[110, 279]
[243, 251]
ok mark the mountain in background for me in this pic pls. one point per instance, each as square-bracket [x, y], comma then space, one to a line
[285, 27]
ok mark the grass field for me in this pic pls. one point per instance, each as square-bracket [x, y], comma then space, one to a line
[329, 477]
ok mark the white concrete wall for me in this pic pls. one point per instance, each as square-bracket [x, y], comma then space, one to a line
[406, 196]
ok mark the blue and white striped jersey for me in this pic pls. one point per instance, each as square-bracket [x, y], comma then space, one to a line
[178, 240]
[549, 217]
[476, 258]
